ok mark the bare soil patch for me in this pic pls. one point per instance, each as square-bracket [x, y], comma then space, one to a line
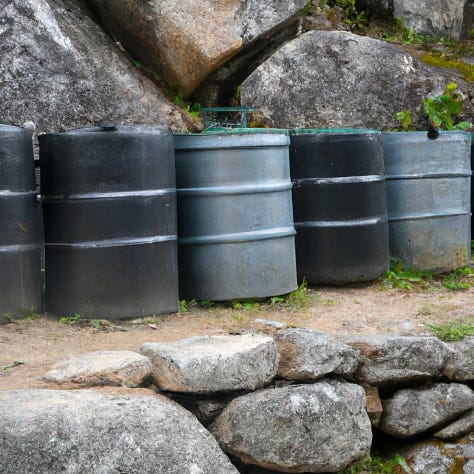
[357, 309]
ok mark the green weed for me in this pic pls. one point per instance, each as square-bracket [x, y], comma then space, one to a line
[70, 319]
[177, 97]
[28, 317]
[375, 465]
[404, 118]
[459, 279]
[245, 305]
[453, 330]
[400, 277]
[441, 109]
[13, 364]
[299, 297]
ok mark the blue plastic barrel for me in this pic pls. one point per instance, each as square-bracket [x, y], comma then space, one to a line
[428, 192]
[235, 220]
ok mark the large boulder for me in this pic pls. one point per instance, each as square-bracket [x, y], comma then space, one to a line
[414, 411]
[388, 360]
[210, 364]
[186, 41]
[339, 79]
[322, 427]
[438, 18]
[54, 431]
[58, 69]
[101, 368]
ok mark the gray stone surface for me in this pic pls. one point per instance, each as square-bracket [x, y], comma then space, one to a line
[438, 18]
[437, 457]
[58, 69]
[102, 368]
[462, 426]
[468, 467]
[320, 427]
[339, 79]
[460, 366]
[55, 431]
[205, 364]
[419, 410]
[429, 458]
[387, 360]
[187, 42]
[308, 354]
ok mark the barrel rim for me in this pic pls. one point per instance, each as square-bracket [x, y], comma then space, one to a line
[334, 131]
[241, 131]
[229, 140]
[14, 130]
[122, 129]
[419, 133]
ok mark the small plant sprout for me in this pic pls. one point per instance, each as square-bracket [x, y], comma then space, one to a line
[15, 363]
[404, 119]
[70, 319]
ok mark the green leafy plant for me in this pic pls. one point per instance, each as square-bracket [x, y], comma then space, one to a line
[13, 364]
[459, 279]
[276, 299]
[177, 97]
[28, 317]
[299, 297]
[453, 330]
[183, 307]
[375, 465]
[441, 109]
[70, 319]
[400, 277]
[351, 16]
[245, 305]
[404, 118]
[308, 8]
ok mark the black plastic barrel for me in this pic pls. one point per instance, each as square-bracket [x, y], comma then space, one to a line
[339, 205]
[20, 231]
[236, 233]
[109, 204]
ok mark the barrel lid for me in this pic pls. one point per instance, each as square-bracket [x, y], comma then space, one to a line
[448, 134]
[237, 139]
[245, 130]
[341, 131]
[112, 128]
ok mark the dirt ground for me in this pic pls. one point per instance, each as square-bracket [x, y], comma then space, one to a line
[357, 309]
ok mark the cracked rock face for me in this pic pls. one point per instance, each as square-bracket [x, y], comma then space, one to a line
[54, 431]
[419, 410]
[322, 427]
[211, 364]
[186, 41]
[58, 69]
[339, 79]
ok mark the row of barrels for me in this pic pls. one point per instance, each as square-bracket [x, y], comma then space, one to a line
[121, 206]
